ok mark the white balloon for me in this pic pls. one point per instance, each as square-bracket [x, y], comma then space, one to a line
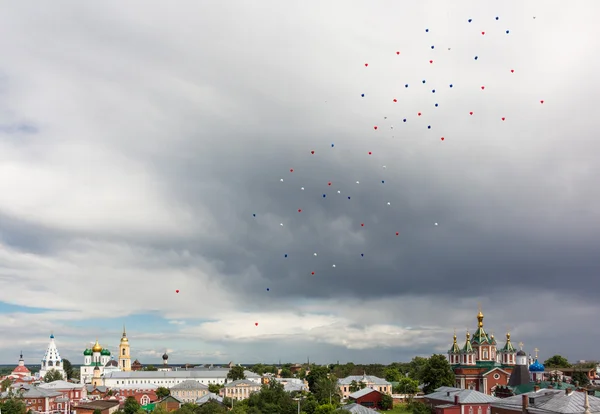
[281, 224]
[333, 266]
[436, 224]
[315, 254]
[384, 167]
[302, 188]
[281, 180]
[357, 182]
[389, 204]
[339, 191]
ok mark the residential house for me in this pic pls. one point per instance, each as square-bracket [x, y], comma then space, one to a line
[170, 378]
[370, 381]
[367, 397]
[170, 403]
[240, 389]
[189, 391]
[105, 407]
[99, 392]
[450, 400]
[548, 401]
[136, 366]
[358, 409]
[209, 397]
[74, 392]
[143, 394]
[292, 384]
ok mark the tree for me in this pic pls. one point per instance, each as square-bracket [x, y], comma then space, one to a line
[150, 368]
[68, 368]
[285, 373]
[407, 386]
[325, 409]
[13, 405]
[437, 373]
[387, 402]
[236, 373]
[131, 406]
[214, 388]
[272, 399]
[160, 409]
[417, 407]
[316, 373]
[415, 368]
[5, 384]
[581, 377]
[326, 390]
[557, 361]
[353, 386]
[393, 374]
[162, 392]
[97, 411]
[53, 375]
[211, 407]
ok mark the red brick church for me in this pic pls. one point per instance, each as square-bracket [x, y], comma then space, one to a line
[479, 365]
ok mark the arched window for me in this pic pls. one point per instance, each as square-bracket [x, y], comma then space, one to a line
[123, 351]
[479, 410]
[470, 410]
[489, 410]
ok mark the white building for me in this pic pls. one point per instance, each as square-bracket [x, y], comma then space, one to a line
[170, 378]
[51, 360]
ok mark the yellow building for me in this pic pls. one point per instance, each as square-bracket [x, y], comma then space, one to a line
[96, 379]
[124, 356]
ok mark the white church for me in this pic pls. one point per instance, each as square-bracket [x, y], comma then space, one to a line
[51, 360]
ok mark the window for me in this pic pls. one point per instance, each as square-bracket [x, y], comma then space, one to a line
[496, 376]
[489, 410]
[470, 410]
[478, 410]
[123, 351]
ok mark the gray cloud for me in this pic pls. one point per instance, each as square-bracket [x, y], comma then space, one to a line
[159, 133]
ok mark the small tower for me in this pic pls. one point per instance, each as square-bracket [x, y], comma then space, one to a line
[467, 353]
[96, 380]
[52, 360]
[508, 353]
[482, 344]
[124, 356]
[454, 352]
[536, 370]
[520, 373]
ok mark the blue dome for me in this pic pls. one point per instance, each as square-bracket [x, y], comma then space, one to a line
[536, 367]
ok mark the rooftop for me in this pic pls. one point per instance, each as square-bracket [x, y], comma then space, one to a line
[371, 379]
[241, 382]
[213, 373]
[98, 405]
[361, 393]
[551, 401]
[358, 409]
[464, 396]
[189, 385]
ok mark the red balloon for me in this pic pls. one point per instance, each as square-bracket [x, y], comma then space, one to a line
[503, 118]
[431, 61]
[375, 127]
[329, 183]
[541, 101]
[512, 71]
[483, 87]
[256, 323]
[312, 152]
[442, 138]
[291, 170]
[299, 210]
[362, 224]
[369, 152]
[366, 64]
[397, 53]
[397, 233]
[482, 33]
[395, 100]
[471, 113]
[177, 291]
[312, 273]
[419, 114]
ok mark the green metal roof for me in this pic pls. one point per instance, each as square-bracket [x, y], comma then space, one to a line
[524, 388]
[481, 337]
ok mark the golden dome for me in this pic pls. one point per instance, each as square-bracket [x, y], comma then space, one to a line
[96, 347]
[124, 338]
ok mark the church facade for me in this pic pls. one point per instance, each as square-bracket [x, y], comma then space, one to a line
[98, 361]
[479, 364]
[51, 360]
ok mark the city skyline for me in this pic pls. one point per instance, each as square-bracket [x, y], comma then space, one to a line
[142, 153]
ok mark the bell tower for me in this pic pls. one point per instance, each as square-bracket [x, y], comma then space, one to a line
[124, 356]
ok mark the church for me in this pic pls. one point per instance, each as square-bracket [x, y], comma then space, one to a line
[98, 361]
[479, 365]
[51, 360]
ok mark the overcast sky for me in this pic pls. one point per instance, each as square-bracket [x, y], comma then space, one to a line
[138, 140]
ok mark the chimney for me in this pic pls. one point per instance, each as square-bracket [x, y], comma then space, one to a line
[536, 388]
[568, 391]
[448, 393]
[456, 400]
[525, 403]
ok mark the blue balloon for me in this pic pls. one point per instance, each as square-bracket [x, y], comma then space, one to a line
[404, 120]
[285, 255]
[348, 197]
[436, 105]
[507, 32]
[432, 47]
[331, 145]
[470, 20]
[253, 215]
[382, 182]
[362, 255]
[428, 126]
[406, 86]
[423, 80]
[324, 196]
[475, 57]
[363, 95]
[426, 30]
[268, 289]
[450, 85]
[497, 17]
[433, 91]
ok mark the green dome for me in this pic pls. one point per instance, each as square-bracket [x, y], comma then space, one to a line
[87, 352]
[105, 352]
